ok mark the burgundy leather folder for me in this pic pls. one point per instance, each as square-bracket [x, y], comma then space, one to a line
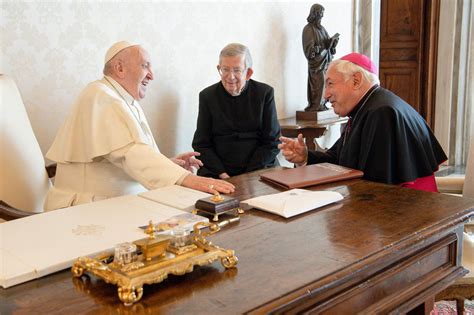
[310, 175]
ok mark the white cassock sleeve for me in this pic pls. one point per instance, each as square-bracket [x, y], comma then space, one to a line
[148, 167]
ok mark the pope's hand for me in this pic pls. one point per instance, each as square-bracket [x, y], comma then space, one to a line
[294, 150]
[188, 161]
[207, 184]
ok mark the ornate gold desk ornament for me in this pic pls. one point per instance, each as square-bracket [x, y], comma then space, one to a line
[153, 261]
[217, 205]
[153, 246]
[217, 197]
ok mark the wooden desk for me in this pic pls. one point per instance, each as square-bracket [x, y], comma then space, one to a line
[382, 249]
[311, 130]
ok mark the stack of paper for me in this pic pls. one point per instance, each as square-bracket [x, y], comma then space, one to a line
[175, 196]
[294, 202]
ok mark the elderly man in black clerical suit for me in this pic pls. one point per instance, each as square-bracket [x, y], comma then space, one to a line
[384, 137]
[237, 127]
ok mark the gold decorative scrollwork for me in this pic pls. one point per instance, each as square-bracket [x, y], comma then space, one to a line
[132, 266]
[130, 295]
[229, 261]
[77, 270]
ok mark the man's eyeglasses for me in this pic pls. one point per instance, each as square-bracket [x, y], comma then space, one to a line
[227, 71]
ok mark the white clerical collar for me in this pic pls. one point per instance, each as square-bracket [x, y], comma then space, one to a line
[119, 89]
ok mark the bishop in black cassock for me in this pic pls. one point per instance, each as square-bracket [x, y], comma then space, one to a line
[384, 137]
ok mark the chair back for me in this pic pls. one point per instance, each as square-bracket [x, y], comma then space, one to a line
[24, 181]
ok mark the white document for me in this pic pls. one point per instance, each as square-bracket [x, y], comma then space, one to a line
[13, 270]
[179, 197]
[44, 243]
[293, 202]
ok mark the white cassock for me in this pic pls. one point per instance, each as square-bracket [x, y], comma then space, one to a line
[106, 149]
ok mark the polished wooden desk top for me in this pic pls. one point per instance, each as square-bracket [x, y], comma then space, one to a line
[280, 260]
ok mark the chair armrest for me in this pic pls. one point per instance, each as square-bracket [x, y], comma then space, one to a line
[51, 170]
[9, 213]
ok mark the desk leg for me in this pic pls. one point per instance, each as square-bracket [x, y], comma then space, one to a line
[310, 144]
[460, 305]
[310, 136]
[423, 309]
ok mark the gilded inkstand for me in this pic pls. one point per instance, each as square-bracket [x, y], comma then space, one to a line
[151, 260]
[217, 205]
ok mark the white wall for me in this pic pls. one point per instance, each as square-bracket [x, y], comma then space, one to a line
[54, 48]
[444, 79]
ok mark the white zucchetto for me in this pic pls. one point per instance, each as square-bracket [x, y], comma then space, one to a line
[116, 48]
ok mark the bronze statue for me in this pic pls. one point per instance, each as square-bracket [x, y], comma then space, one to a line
[319, 49]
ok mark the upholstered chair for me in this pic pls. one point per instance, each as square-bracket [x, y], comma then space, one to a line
[24, 179]
[462, 289]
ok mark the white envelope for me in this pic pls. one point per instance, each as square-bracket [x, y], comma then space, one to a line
[294, 201]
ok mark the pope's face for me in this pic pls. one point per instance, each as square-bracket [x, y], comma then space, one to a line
[340, 92]
[233, 74]
[138, 72]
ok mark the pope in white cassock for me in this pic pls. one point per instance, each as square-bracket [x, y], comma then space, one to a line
[106, 148]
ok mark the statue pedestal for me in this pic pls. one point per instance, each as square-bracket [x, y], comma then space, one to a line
[316, 116]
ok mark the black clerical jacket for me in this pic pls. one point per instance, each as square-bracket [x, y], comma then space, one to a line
[387, 140]
[236, 134]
